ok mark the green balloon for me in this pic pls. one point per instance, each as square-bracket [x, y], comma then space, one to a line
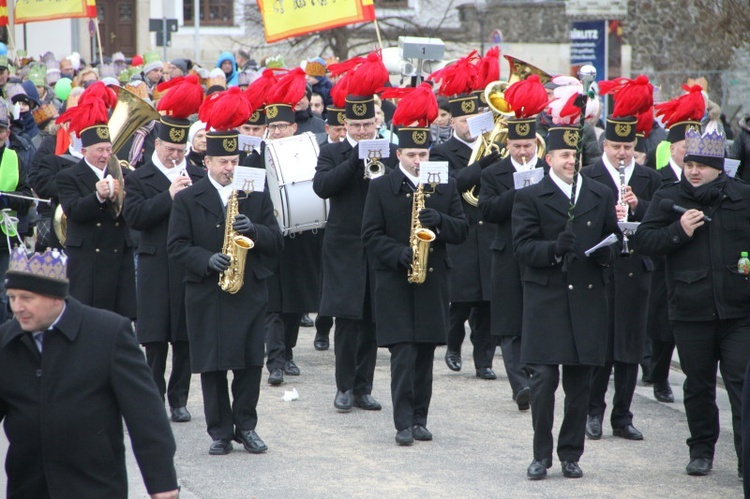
[62, 88]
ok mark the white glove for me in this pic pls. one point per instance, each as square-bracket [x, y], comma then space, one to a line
[16, 110]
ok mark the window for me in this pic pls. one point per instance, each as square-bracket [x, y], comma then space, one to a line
[392, 4]
[212, 12]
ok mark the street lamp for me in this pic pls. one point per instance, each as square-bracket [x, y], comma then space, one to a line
[481, 7]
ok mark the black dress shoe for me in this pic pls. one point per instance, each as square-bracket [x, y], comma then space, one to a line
[663, 393]
[453, 360]
[250, 440]
[571, 469]
[594, 427]
[180, 415]
[486, 373]
[699, 466]
[421, 433]
[404, 437]
[366, 402]
[220, 447]
[646, 376]
[321, 342]
[538, 469]
[523, 398]
[343, 401]
[291, 368]
[628, 432]
[306, 321]
[276, 377]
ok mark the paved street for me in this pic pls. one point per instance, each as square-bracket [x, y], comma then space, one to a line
[481, 448]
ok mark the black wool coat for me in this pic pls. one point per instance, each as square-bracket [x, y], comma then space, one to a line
[100, 256]
[226, 331]
[496, 206]
[64, 409]
[564, 313]
[405, 312]
[159, 288]
[629, 285]
[345, 264]
[471, 279]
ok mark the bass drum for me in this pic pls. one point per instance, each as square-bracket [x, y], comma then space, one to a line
[290, 167]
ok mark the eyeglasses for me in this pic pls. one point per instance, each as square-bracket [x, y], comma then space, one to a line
[174, 150]
[278, 126]
[361, 126]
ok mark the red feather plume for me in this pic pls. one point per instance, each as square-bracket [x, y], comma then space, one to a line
[184, 98]
[344, 67]
[488, 68]
[369, 76]
[98, 91]
[417, 104]
[690, 106]
[225, 110]
[92, 108]
[339, 91]
[459, 77]
[289, 89]
[645, 122]
[631, 97]
[527, 97]
[257, 92]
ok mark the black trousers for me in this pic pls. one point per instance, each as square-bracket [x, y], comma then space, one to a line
[746, 430]
[661, 360]
[478, 315]
[626, 378]
[702, 346]
[411, 383]
[544, 382]
[179, 380]
[356, 352]
[221, 416]
[282, 331]
[514, 368]
[323, 324]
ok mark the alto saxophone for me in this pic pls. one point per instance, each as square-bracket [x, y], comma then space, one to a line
[236, 246]
[419, 240]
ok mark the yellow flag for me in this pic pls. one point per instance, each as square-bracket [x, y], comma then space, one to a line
[28, 11]
[289, 18]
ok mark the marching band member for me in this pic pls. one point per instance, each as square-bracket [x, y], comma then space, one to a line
[496, 205]
[160, 290]
[564, 313]
[412, 318]
[628, 285]
[471, 278]
[100, 266]
[226, 330]
[347, 276]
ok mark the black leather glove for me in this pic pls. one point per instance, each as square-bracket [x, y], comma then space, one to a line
[219, 262]
[354, 161]
[566, 242]
[488, 160]
[243, 225]
[430, 217]
[602, 256]
[406, 257]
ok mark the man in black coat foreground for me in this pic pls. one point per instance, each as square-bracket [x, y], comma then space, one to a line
[709, 298]
[70, 375]
[564, 310]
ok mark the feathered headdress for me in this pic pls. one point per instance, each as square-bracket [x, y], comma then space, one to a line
[645, 122]
[488, 68]
[690, 106]
[632, 97]
[364, 74]
[257, 92]
[184, 98]
[92, 108]
[224, 110]
[289, 89]
[527, 97]
[417, 105]
[457, 78]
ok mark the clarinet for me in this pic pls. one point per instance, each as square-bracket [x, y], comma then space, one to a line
[621, 202]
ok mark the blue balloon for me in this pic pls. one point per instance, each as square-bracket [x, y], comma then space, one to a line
[3, 49]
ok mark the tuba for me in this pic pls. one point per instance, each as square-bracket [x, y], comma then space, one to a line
[130, 113]
[494, 141]
[419, 240]
[236, 246]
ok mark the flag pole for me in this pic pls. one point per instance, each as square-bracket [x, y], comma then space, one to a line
[98, 40]
[11, 28]
[377, 32]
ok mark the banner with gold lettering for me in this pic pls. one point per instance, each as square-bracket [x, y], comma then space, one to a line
[28, 11]
[289, 18]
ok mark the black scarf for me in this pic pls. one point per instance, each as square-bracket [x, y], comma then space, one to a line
[706, 194]
[28, 125]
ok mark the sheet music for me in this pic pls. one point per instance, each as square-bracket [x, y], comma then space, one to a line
[249, 143]
[375, 148]
[481, 123]
[433, 172]
[731, 166]
[249, 179]
[607, 241]
[527, 178]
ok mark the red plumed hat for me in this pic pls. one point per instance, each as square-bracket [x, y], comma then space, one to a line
[225, 110]
[184, 98]
[645, 122]
[457, 78]
[417, 107]
[632, 97]
[368, 76]
[687, 107]
[289, 89]
[92, 108]
[257, 92]
[527, 97]
[488, 68]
